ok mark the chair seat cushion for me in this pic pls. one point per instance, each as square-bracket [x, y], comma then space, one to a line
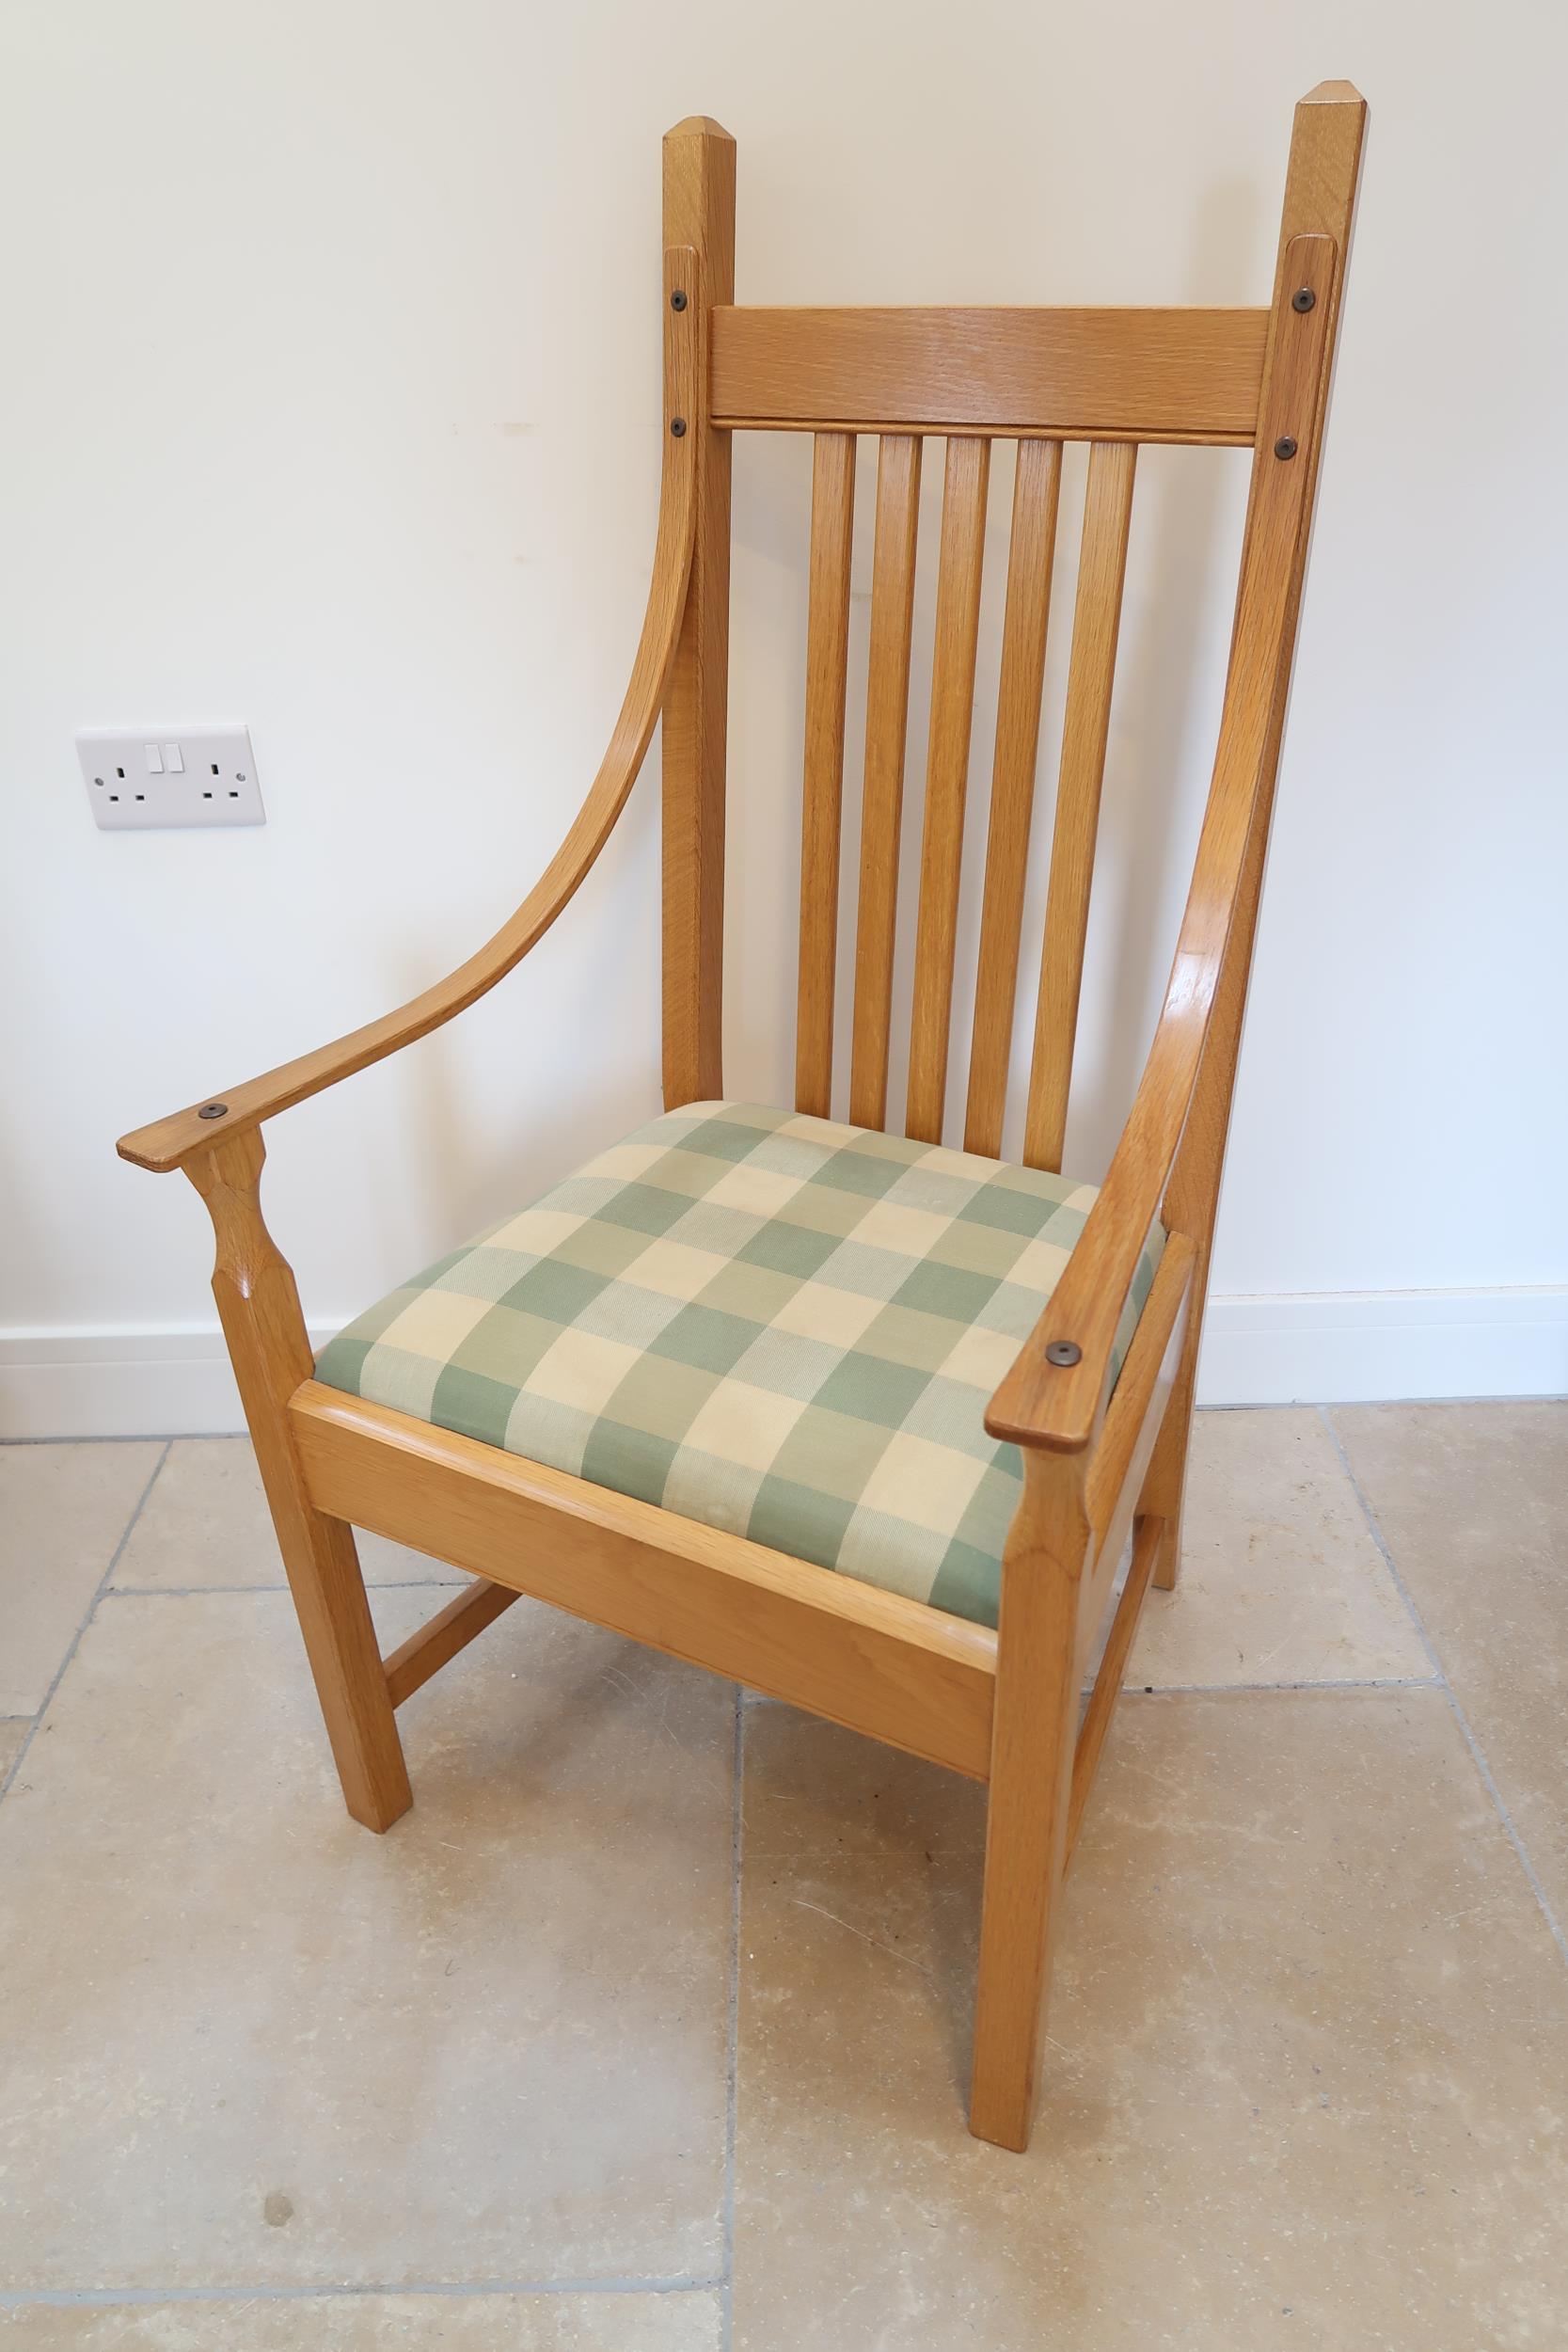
[775, 1325]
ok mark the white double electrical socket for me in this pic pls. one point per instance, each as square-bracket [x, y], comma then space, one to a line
[170, 776]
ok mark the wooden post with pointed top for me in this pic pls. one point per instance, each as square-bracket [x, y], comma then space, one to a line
[1053, 1541]
[699, 211]
[1320, 200]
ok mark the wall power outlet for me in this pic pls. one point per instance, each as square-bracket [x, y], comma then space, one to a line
[145, 776]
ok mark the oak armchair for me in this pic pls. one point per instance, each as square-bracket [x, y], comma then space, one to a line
[923, 1397]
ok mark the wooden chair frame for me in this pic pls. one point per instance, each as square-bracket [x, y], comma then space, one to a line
[1099, 1464]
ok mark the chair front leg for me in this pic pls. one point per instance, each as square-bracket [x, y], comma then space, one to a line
[259, 1310]
[1033, 1735]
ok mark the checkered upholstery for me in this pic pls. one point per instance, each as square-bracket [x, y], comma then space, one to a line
[772, 1324]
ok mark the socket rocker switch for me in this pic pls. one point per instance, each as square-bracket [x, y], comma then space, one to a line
[137, 780]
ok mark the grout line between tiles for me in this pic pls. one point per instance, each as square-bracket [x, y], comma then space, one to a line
[1476, 1753]
[197, 1592]
[88, 1615]
[1244, 1690]
[726, 2288]
[1208, 1690]
[135, 1437]
[68, 2298]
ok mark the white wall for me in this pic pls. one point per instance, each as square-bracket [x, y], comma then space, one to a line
[331, 403]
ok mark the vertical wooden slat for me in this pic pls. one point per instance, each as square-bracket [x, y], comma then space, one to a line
[887, 703]
[1107, 510]
[699, 211]
[963, 538]
[832, 524]
[1013, 787]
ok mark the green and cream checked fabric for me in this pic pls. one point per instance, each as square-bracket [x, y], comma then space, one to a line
[772, 1324]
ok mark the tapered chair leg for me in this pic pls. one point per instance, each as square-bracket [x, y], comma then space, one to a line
[1167, 1559]
[1032, 1740]
[259, 1310]
[328, 1589]
[1165, 1481]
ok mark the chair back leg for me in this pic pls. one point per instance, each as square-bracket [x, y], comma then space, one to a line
[1164, 1488]
[259, 1310]
[1320, 204]
[699, 211]
[1034, 1737]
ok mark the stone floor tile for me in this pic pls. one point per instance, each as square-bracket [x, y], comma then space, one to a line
[1472, 1502]
[687, 2322]
[1281, 1580]
[1307, 2075]
[13, 1730]
[63, 1508]
[266, 2047]
[206, 1525]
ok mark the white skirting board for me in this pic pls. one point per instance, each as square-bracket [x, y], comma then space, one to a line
[1361, 1347]
[173, 1382]
[1320, 1347]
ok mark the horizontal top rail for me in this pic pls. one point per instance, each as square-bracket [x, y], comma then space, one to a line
[1095, 375]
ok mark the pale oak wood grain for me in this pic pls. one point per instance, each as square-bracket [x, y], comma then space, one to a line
[1320, 198]
[1071, 374]
[1111, 1491]
[437, 1642]
[699, 213]
[879, 1663]
[1138, 1382]
[1032, 551]
[264, 1329]
[1058, 1411]
[1035, 1728]
[833, 528]
[1108, 1681]
[1086, 730]
[887, 708]
[957, 627]
[1040, 1403]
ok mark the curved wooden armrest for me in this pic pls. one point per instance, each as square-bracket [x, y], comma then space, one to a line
[169, 1143]
[1060, 1406]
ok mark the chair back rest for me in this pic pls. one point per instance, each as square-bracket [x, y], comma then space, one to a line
[1250, 379]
